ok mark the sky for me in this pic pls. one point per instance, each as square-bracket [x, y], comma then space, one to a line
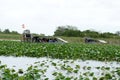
[44, 16]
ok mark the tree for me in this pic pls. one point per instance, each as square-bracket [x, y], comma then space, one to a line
[14, 32]
[71, 27]
[90, 33]
[59, 31]
[69, 31]
[108, 35]
[118, 33]
[0, 31]
[41, 34]
[7, 31]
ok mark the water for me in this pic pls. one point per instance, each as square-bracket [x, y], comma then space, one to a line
[24, 62]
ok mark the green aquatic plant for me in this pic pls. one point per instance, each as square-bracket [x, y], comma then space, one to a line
[61, 51]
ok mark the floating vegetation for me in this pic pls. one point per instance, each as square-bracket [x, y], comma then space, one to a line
[55, 69]
[61, 51]
[62, 61]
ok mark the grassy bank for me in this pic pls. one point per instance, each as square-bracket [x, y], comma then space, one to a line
[81, 40]
[69, 39]
[10, 36]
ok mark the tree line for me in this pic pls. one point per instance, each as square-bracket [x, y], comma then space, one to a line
[71, 31]
[7, 31]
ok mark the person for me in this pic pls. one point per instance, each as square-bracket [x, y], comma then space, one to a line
[35, 39]
[90, 40]
[27, 36]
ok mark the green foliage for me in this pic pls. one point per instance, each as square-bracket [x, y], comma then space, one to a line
[61, 51]
[0, 30]
[14, 32]
[10, 36]
[67, 31]
[61, 70]
[71, 31]
[118, 33]
[6, 31]
[11, 74]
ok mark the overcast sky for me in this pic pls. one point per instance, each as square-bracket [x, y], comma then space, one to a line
[43, 16]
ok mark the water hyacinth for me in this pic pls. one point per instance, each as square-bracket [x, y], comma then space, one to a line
[67, 67]
[61, 51]
[56, 69]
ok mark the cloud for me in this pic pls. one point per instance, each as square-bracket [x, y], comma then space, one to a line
[43, 16]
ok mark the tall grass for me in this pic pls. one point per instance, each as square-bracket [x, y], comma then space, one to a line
[10, 36]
